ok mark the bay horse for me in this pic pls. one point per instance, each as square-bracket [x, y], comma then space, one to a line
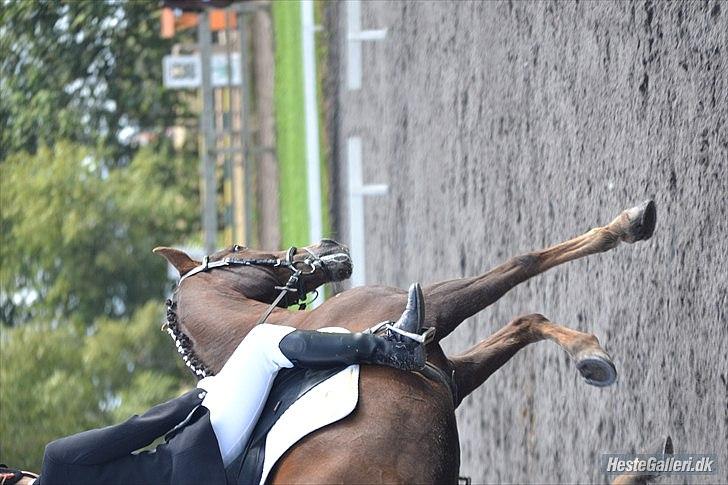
[216, 307]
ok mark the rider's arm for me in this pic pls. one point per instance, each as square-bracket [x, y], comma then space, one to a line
[105, 444]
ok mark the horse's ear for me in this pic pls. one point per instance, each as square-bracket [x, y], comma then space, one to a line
[178, 259]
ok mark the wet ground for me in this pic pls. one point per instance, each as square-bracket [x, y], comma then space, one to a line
[505, 127]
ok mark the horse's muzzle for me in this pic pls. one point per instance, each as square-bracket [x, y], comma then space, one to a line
[335, 259]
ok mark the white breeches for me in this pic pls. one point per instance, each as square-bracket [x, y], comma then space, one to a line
[237, 394]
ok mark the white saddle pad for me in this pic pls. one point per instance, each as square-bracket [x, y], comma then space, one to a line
[328, 402]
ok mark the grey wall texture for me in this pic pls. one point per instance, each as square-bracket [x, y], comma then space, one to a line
[506, 127]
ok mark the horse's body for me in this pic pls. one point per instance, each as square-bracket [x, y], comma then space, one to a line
[216, 309]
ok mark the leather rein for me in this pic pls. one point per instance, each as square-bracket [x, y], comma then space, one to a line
[294, 285]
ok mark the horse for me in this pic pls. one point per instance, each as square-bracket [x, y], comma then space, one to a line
[218, 301]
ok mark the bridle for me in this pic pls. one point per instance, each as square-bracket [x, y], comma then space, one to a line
[294, 285]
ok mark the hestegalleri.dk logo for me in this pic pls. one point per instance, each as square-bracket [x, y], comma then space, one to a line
[657, 463]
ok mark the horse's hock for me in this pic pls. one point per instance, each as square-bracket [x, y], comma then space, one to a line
[505, 127]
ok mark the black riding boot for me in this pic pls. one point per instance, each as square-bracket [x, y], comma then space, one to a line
[318, 350]
[414, 313]
[321, 349]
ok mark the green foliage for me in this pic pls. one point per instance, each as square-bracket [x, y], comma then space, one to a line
[81, 207]
[60, 380]
[82, 71]
[76, 237]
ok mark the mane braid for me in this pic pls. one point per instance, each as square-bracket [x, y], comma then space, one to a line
[183, 342]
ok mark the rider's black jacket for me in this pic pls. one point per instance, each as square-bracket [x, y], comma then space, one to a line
[107, 455]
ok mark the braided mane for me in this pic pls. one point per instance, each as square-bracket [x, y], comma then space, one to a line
[183, 342]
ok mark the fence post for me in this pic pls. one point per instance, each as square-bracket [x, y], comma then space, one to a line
[209, 179]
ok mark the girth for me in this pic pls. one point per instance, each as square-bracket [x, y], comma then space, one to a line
[434, 373]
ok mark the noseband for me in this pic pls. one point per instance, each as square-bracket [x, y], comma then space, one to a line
[294, 285]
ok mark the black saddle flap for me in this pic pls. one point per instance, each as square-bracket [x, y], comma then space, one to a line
[288, 386]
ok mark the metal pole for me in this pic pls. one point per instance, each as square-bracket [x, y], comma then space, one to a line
[312, 130]
[266, 163]
[235, 232]
[248, 162]
[355, 36]
[357, 192]
[209, 185]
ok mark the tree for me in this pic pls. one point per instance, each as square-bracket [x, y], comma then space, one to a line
[57, 380]
[87, 71]
[76, 237]
[81, 206]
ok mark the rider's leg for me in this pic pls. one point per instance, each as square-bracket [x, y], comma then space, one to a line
[322, 350]
[236, 395]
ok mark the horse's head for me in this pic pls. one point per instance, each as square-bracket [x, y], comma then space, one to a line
[255, 274]
[211, 311]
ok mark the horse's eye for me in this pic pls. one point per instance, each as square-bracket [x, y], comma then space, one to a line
[237, 248]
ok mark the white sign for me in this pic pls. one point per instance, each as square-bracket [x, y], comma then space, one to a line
[220, 70]
[185, 72]
[182, 72]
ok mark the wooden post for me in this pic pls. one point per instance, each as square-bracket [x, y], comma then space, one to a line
[208, 162]
[267, 180]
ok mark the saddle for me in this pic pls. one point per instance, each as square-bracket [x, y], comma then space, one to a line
[300, 402]
[288, 387]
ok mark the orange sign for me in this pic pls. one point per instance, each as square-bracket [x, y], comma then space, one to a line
[171, 23]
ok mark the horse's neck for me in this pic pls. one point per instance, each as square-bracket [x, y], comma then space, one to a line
[216, 322]
[217, 319]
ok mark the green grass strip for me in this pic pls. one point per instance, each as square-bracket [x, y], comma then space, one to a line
[322, 71]
[291, 129]
[290, 123]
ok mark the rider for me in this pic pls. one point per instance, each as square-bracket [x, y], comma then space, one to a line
[208, 427]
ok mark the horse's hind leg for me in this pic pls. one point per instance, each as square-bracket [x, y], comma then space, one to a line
[473, 367]
[451, 302]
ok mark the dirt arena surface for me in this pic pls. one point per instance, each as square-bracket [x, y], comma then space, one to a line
[505, 127]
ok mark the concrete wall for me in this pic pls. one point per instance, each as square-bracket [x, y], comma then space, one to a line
[506, 127]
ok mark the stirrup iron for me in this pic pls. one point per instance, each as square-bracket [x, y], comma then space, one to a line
[427, 336]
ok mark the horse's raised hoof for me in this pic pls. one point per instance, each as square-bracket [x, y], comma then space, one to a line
[597, 369]
[641, 222]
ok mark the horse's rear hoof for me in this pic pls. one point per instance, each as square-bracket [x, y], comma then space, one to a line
[642, 220]
[597, 370]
